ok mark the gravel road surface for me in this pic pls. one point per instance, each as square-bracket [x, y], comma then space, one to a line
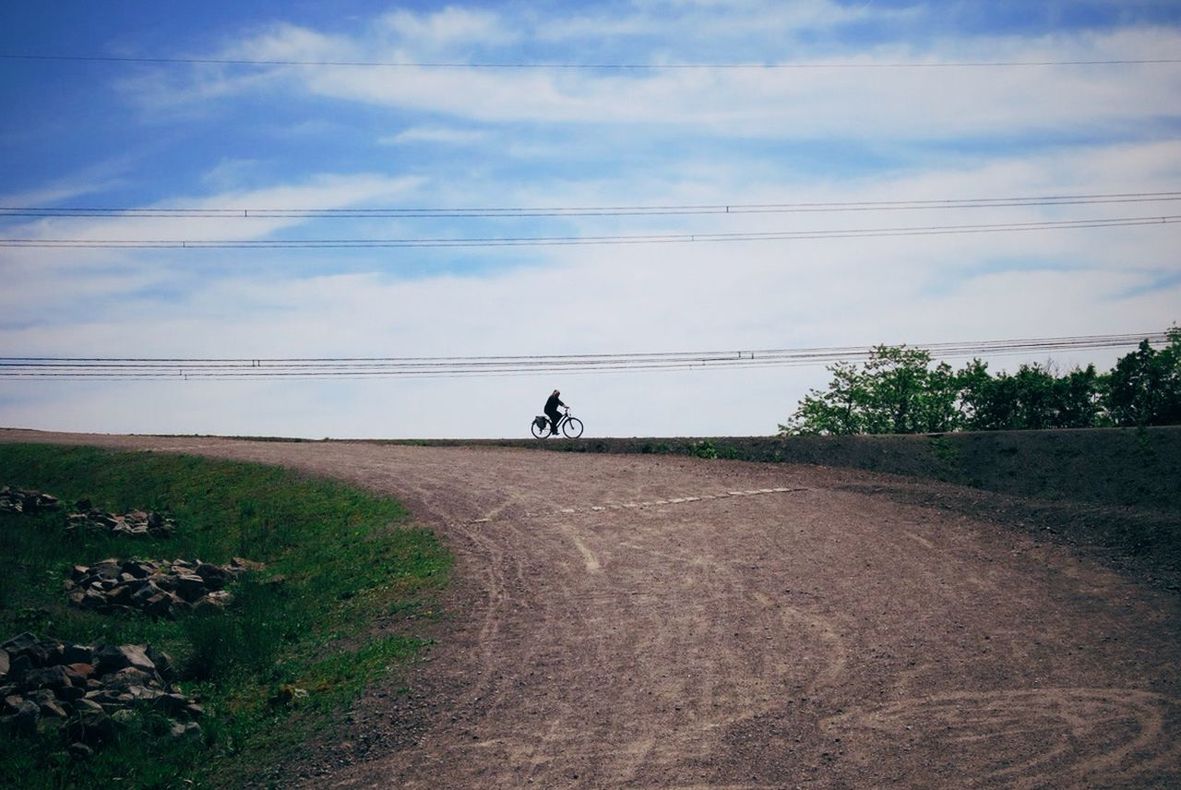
[646, 621]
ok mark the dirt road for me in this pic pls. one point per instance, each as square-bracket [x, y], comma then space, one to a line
[640, 621]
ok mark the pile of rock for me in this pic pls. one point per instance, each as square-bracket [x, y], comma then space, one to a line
[157, 589]
[137, 522]
[14, 500]
[88, 691]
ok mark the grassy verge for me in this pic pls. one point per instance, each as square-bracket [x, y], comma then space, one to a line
[337, 561]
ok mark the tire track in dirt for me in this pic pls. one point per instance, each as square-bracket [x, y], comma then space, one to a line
[1032, 738]
[823, 636]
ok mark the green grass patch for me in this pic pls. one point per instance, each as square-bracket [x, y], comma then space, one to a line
[336, 560]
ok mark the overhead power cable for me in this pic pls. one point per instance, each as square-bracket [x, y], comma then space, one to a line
[463, 366]
[552, 241]
[522, 65]
[583, 211]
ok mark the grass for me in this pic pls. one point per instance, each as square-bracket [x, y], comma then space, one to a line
[337, 561]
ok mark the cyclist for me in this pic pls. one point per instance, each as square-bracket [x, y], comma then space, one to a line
[551, 410]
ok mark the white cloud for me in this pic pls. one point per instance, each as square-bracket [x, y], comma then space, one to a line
[788, 103]
[90, 180]
[434, 134]
[317, 192]
[428, 32]
[502, 136]
[697, 24]
[617, 299]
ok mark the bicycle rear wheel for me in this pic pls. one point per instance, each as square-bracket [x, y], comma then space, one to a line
[572, 427]
[539, 432]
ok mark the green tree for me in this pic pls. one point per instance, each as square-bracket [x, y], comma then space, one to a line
[1078, 399]
[897, 391]
[838, 410]
[1144, 388]
[1031, 398]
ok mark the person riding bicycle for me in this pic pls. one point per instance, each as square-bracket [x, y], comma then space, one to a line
[551, 410]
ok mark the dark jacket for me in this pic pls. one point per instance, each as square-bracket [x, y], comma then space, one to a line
[552, 404]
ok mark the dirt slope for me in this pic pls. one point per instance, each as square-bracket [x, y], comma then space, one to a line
[669, 622]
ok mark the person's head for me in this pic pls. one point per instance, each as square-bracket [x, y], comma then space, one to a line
[557, 393]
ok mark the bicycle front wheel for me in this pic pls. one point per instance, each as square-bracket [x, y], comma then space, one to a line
[572, 428]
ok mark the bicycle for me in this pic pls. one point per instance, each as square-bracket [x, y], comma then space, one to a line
[571, 427]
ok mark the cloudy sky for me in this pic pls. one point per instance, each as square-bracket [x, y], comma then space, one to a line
[197, 114]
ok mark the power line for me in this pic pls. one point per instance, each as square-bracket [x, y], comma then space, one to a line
[520, 65]
[552, 241]
[584, 211]
[111, 368]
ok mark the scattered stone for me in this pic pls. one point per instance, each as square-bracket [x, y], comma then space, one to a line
[20, 644]
[187, 730]
[90, 701]
[53, 709]
[156, 589]
[113, 658]
[54, 677]
[14, 500]
[136, 523]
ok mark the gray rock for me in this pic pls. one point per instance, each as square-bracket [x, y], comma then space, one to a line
[71, 693]
[139, 569]
[190, 587]
[20, 643]
[156, 590]
[39, 696]
[182, 731]
[25, 652]
[112, 658]
[218, 598]
[52, 710]
[163, 663]
[93, 599]
[215, 576]
[106, 569]
[54, 677]
[172, 703]
[129, 677]
[5, 663]
[14, 500]
[88, 706]
[123, 716]
[160, 605]
[19, 666]
[91, 726]
[26, 718]
[77, 654]
[143, 593]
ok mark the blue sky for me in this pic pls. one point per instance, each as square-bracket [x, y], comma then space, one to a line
[879, 112]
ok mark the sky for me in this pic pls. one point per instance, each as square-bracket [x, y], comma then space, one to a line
[331, 108]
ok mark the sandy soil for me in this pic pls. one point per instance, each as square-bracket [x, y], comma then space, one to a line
[647, 621]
